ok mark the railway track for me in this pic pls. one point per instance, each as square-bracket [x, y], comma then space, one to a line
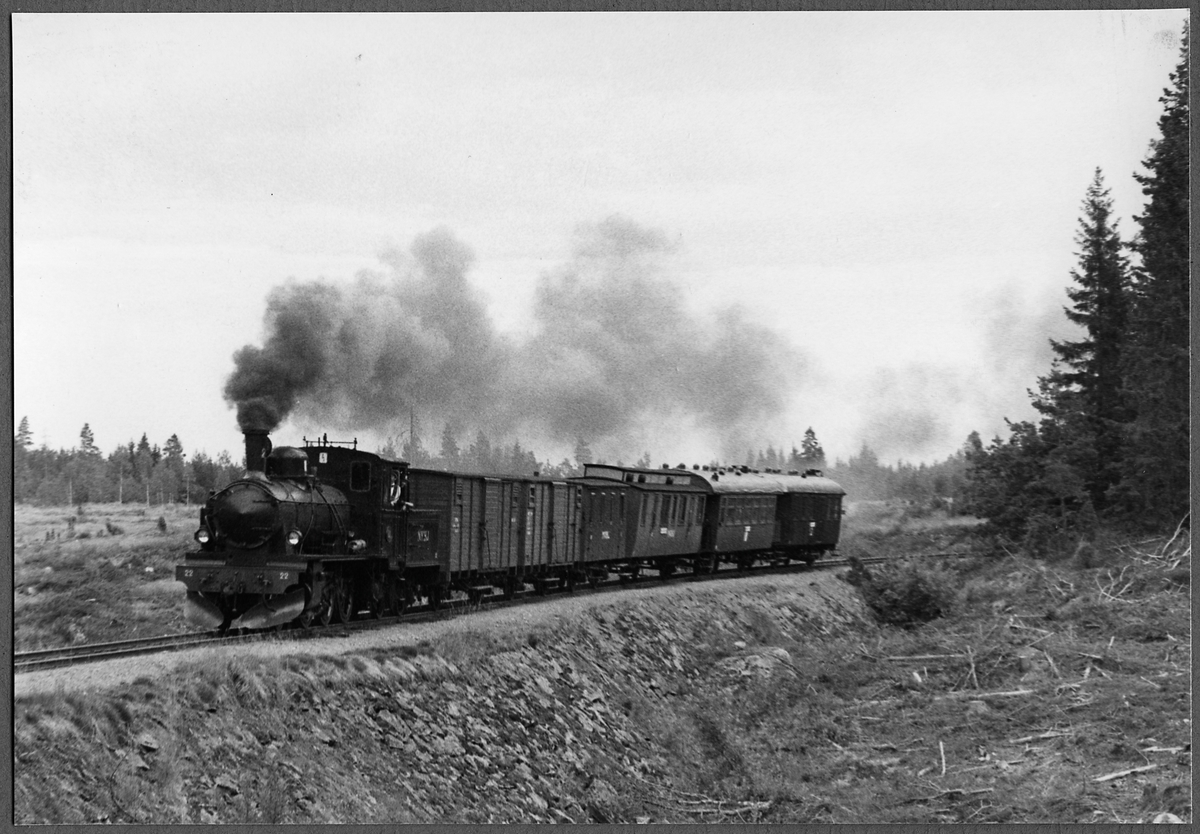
[94, 652]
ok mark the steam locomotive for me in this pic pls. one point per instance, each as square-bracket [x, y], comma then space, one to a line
[327, 532]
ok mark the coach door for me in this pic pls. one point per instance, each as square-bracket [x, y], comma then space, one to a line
[605, 525]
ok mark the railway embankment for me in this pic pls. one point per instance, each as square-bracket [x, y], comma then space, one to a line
[1050, 693]
[536, 713]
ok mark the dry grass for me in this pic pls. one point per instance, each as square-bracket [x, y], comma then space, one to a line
[101, 574]
[1012, 710]
[1054, 693]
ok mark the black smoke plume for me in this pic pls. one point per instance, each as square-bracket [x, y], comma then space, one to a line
[614, 350]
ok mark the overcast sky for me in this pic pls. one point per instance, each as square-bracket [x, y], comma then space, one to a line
[893, 195]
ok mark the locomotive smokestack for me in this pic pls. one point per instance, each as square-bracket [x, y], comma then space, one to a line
[258, 446]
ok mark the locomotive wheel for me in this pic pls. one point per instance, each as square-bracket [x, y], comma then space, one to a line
[324, 612]
[343, 602]
[400, 597]
[377, 602]
[306, 619]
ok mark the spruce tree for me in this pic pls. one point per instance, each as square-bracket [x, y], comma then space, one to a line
[812, 455]
[1155, 481]
[583, 454]
[450, 452]
[24, 437]
[23, 483]
[1083, 397]
[481, 453]
[87, 441]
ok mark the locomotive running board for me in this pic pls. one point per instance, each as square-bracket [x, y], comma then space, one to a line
[201, 611]
[273, 612]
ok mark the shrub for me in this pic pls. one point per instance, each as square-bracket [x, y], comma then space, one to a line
[162, 524]
[908, 593]
[113, 529]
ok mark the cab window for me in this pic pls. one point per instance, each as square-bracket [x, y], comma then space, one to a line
[395, 488]
[360, 476]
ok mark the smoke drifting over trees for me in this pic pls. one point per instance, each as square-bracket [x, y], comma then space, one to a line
[614, 350]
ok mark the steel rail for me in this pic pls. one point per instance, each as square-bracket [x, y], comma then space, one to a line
[89, 652]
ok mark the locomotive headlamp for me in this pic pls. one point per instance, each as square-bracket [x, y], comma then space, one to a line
[202, 535]
[293, 538]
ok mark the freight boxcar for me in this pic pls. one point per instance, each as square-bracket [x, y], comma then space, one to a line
[501, 531]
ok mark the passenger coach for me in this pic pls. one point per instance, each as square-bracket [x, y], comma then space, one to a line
[726, 514]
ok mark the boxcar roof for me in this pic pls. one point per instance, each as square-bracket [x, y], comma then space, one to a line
[490, 476]
[667, 480]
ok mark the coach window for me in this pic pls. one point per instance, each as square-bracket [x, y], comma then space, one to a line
[360, 476]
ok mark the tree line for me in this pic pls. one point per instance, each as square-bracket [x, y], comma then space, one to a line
[1111, 444]
[131, 473]
[147, 473]
[484, 456]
